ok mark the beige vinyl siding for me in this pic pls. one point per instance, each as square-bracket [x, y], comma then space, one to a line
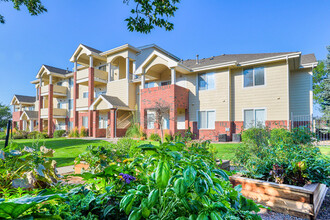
[272, 96]
[132, 96]
[300, 92]
[214, 99]
[118, 88]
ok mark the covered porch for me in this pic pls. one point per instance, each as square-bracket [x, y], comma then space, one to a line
[29, 121]
[111, 117]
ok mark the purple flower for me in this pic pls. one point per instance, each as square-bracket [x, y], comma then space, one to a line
[126, 177]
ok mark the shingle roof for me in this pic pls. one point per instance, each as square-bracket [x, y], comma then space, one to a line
[24, 98]
[32, 114]
[92, 49]
[115, 101]
[57, 70]
[308, 58]
[191, 63]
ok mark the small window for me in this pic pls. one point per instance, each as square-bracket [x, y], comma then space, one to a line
[103, 122]
[60, 83]
[149, 84]
[254, 77]
[254, 118]
[60, 105]
[70, 125]
[151, 118]
[85, 95]
[206, 119]
[31, 108]
[206, 81]
[70, 82]
[85, 121]
[103, 67]
[70, 104]
[165, 83]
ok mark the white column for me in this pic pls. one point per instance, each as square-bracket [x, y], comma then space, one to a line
[40, 82]
[173, 76]
[127, 67]
[20, 107]
[50, 79]
[91, 64]
[31, 125]
[75, 66]
[134, 66]
[109, 73]
[143, 79]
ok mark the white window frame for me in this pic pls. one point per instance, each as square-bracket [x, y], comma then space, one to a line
[82, 121]
[253, 80]
[254, 109]
[197, 82]
[206, 110]
[153, 125]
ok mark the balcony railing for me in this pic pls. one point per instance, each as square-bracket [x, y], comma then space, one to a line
[57, 112]
[57, 90]
[100, 76]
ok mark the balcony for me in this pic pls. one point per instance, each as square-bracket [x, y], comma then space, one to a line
[58, 91]
[82, 104]
[57, 113]
[100, 77]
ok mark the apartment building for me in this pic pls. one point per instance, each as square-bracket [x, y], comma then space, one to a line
[217, 95]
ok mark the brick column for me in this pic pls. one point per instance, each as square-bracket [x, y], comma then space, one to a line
[20, 125]
[113, 119]
[90, 98]
[95, 122]
[186, 118]
[173, 119]
[40, 121]
[75, 97]
[50, 110]
[143, 120]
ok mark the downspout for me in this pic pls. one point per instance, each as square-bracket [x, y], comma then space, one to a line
[116, 122]
[288, 89]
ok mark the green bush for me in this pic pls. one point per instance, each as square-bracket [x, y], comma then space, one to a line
[83, 132]
[133, 131]
[2, 135]
[59, 133]
[37, 135]
[283, 157]
[154, 137]
[21, 135]
[168, 137]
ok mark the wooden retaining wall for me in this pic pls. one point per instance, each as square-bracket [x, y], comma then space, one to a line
[304, 202]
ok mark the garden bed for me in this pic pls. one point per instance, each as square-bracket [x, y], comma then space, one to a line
[304, 202]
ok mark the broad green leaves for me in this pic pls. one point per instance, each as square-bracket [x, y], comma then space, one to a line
[163, 173]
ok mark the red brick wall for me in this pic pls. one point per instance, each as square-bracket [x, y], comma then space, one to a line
[17, 115]
[121, 132]
[101, 132]
[276, 124]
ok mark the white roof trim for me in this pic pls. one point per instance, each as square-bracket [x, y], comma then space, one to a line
[92, 107]
[160, 49]
[309, 65]
[120, 48]
[269, 59]
[215, 66]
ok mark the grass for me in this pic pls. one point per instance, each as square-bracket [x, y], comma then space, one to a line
[66, 150]
[325, 150]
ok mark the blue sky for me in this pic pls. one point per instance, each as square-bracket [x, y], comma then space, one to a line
[207, 28]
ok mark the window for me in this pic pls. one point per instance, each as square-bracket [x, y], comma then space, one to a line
[206, 119]
[85, 121]
[151, 118]
[31, 108]
[103, 121]
[206, 81]
[166, 121]
[165, 83]
[254, 77]
[85, 95]
[149, 84]
[70, 82]
[70, 104]
[254, 118]
[60, 105]
[97, 94]
[70, 125]
[60, 83]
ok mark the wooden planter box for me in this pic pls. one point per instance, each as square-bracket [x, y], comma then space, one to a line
[304, 202]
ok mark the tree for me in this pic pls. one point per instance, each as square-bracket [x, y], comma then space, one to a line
[151, 13]
[35, 7]
[5, 115]
[325, 97]
[320, 74]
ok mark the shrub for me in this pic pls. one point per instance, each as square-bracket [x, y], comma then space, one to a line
[283, 157]
[154, 137]
[59, 133]
[126, 147]
[20, 135]
[2, 135]
[133, 131]
[74, 133]
[83, 132]
[168, 137]
[33, 135]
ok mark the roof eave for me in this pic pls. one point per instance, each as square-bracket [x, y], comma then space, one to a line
[120, 48]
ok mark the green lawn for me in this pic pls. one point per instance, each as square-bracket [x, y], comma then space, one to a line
[66, 150]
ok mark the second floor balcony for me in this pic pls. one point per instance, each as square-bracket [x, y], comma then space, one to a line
[58, 91]
[100, 77]
[57, 113]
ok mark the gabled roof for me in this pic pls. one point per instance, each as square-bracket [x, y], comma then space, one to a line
[225, 58]
[160, 49]
[24, 98]
[92, 49]
[31, 115]
[56, 70]
[112, 101]
[308, 58]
